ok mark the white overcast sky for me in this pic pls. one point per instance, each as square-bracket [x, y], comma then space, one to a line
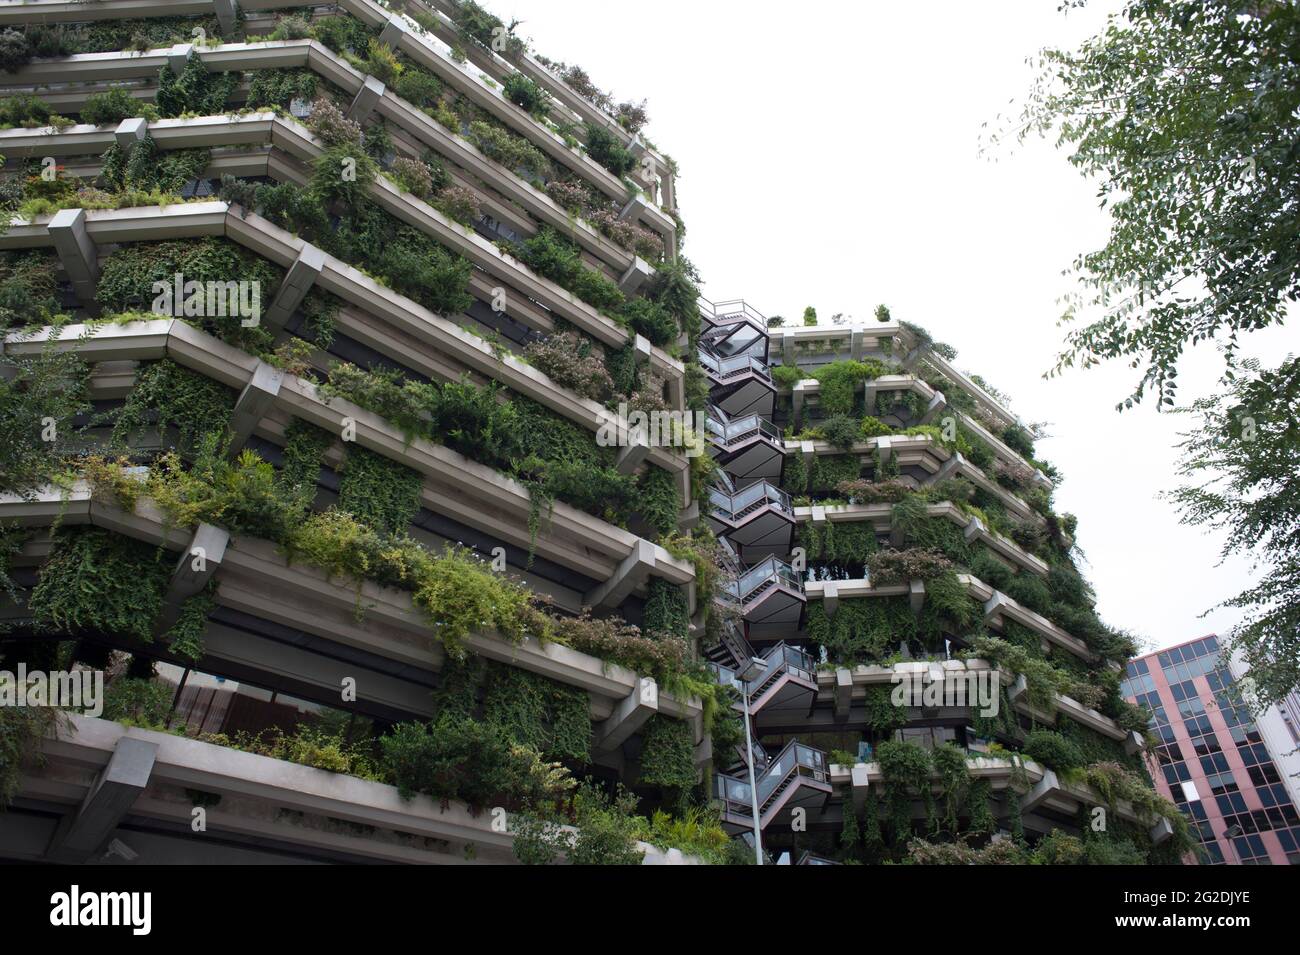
[830, 157]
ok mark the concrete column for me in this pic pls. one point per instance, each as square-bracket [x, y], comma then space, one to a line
[1042, 789]
[178, 56]
[630, 715]
[637, 275]
[632, 212]
[78, 254]
[82, 832]
[632, 454]
[253, 404]
[916, 595]
[393, 32]
[297, 282]
[831, 597]
[227, 12]
[367, 98]
[194, 569]
[632, 572]
[857, 338]
[858, 773]
[131, 131]
[993, 606]
[935, 408]
[843, 692]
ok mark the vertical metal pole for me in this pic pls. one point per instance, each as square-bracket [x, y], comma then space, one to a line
[753, 786]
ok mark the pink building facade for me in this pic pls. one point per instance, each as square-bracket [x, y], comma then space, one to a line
[1210, 758]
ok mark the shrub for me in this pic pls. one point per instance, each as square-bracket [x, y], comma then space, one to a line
[840, 430]
[331, 126]
[646, 318]
[458, 203]
[15, 49]
[418, 87]
[111, 106]
[138, 702]
[570, 361]
[513, 152]
[605, 148]
[100, 582]
[900, 566]
[1053, 750]
[413, 176]
[527, 95]
[860, 491]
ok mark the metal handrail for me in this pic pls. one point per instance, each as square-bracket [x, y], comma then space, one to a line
[794, 759]
[729, 504]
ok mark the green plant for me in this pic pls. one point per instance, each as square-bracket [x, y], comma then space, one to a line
[379, 492]
[605, 148]
[863, 630]
[110, 106]
[195, 90]
[668, 753]
[138, 701]
[527, 95]
[168, 396]
[95, 581]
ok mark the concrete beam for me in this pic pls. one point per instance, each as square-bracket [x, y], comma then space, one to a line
[633, 210]
[637, 275]
[254, 402]
[76, 250]
[632, 454]
[1041, 791]
[1134, 743]
[1162, 831]
[973, 529]
[81, 833]
[227, 12]
[629, 716]
[948, 468]
[935, 408]
[367, 98]
[910, 359]
[297, 282]
[632, 572]
[131, 131]
[993, 606]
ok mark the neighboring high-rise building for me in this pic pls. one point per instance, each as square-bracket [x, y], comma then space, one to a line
[379, 450]
[1212, 759]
